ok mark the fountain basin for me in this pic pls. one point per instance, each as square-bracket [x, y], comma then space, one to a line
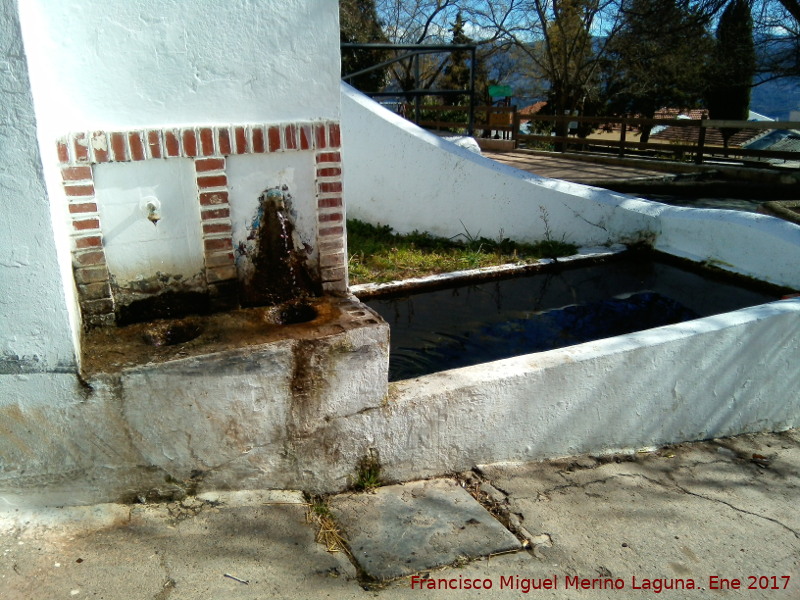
[248, 401]
[109, 350]
[554, 306]
[252, 404]
[294, 312]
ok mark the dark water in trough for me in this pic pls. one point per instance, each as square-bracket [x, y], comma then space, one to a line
[472, 324]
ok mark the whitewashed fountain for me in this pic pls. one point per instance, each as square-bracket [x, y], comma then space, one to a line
[140, 155]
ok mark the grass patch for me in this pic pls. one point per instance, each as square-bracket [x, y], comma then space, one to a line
[328, 532]
[377, 254]
[368, 473]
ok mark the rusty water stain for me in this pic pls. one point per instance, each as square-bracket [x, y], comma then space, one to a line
[109, 350]
[169, 333]
[14, 423]
[309, 380]
[168, 305]
[274, 270]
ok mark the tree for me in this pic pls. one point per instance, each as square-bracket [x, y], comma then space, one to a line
[792, 7]
[430, 21]
[358, 23]
[565, 40]
[417, 22]
[731, 72]
[567, 53]
[777, 38]
[457, 72]
[658, 58]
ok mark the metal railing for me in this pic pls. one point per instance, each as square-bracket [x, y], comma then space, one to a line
[414, 51]
[498, 119]
[699, 148]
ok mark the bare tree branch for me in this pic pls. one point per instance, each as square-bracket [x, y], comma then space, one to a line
[792, 7]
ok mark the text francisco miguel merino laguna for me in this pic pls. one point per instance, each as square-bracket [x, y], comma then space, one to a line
[525, 584]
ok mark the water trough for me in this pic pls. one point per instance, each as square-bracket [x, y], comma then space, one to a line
[552, 305]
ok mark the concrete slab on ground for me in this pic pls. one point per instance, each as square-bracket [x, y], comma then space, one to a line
[398, 530]
[205, 547]
[605, 528]
[687, 513]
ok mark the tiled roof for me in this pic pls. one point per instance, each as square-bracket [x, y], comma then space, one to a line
[673, 113]
[532, 109]
[791, 143]
[689, 135]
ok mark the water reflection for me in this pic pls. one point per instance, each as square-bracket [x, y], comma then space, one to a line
[471, 324]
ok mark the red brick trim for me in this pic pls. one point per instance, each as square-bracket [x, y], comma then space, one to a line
[136, 145]
[274, 135]
[240, 135]
[154, 144]
[207, 141]
[212, 186]
[224, 141]
[290, 137]
[209, 146]
[172, 143]
[258, 140]
[330, 210]
[209, 164]
[329, 157]
[333, 202]
[119, 149]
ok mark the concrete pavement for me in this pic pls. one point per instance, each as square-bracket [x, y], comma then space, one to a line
[718, 514]
[577, 171]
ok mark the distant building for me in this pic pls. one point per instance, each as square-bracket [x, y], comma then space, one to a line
[532, 109]
[690, 135]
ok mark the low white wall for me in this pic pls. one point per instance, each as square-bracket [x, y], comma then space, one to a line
[763, 247]
[400, 175]
[228, 420]
[717, 376]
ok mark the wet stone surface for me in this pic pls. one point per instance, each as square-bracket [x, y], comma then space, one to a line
[273, 262]
[111, 349]
[169, 333]
[404, 529]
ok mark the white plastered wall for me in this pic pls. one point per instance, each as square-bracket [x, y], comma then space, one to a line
[127, 64]
[55, 436]
[406, 177]
[35, 335]
[134, 245]
[116, 65]
[123, 65]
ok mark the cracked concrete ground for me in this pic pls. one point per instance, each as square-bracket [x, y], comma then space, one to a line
[677, 516]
